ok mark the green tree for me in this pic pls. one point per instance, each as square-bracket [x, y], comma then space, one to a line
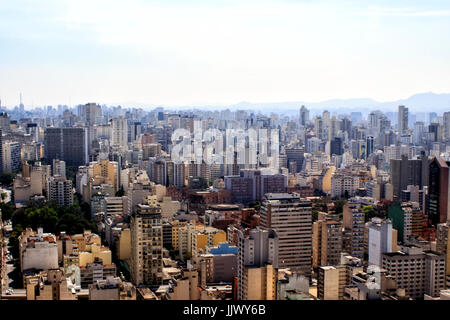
[120, 192]
[187, 256]
[315, 215]
[369, 212]
[338, 206]
[7, 178]
[53, 218]
[7, 210]
[256, 205]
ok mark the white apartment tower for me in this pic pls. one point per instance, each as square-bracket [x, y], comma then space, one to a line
[59, 168]
[119, 129]
[257, 264]
[60, 191]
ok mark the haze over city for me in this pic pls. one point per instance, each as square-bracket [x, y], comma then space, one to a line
[225, 151]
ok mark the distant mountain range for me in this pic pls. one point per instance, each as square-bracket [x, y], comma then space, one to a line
[421, 102]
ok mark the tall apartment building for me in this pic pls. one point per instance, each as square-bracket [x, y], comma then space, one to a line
[446, 120]
[119, 127]
[11, 155]
[407, 218]
[90, 112]
[60, 190]
[175, 173]
[442, 247]
[407, 172]
[379, 240]
[104, 172]
[257, 264]
[418, 272]
[252, 185]
[291, 218]
[5, 122]
[304, 116]
[59, 168]
[333, 279]
[437, 204]
[67, 144]
[402, 119]
[327, 241]
[344, 184]
[146, 244]
[353, 223]
[319, 129]
[295, 155]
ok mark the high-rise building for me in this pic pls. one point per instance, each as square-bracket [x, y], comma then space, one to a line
[446, 118]
[252, 185]
[147, 244]
[344, 184]
[67, 144]
[291, 218]
[333, 279]
[257, 264]
[370, 140]
[433, 129]
[417, 271]
[437, 204]
[59, 168]
[407, 218]
[304, 116]
[60, 191]
[379, 240]
[11, 154]
[402, 119]
[419, 129]
[295, 155]
[104, 172]
[5, 120]
[119, 132]
[443, 246]
[327, 241]
[336, 146]
[319, 129]
[353, 223]
[90, 112]
[333, 126]
[406, 172]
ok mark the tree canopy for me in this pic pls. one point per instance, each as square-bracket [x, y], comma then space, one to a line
[51, 217]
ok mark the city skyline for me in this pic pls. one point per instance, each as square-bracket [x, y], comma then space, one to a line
[219, 151]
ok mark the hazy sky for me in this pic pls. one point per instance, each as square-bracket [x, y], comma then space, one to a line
[198, 52]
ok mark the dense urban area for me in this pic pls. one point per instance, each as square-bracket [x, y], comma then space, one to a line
[94, 206]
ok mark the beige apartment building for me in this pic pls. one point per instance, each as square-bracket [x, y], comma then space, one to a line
[291, 218]
[146, 244]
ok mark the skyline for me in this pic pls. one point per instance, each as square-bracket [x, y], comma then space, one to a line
[221, 53]
[415, 104]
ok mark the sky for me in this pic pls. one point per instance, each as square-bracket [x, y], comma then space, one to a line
[222, 52]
